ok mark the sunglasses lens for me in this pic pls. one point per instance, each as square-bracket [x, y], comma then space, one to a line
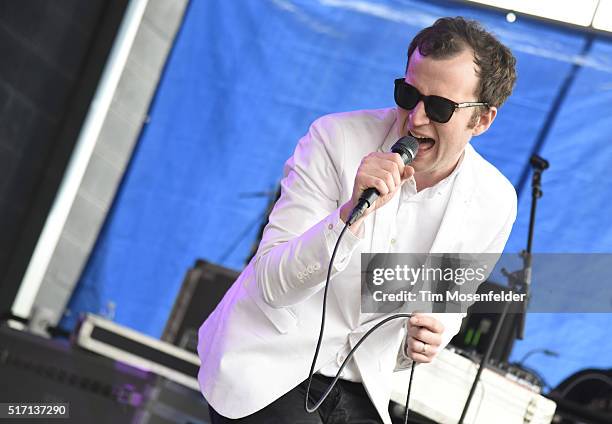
[439, 109]
[406, 96]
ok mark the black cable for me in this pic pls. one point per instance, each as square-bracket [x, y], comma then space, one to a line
[408, 394]
[484, 361]
[350, 354]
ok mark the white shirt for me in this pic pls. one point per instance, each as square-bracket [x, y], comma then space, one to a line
[414, 229]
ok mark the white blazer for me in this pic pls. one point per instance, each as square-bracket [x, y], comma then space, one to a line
[259, 341]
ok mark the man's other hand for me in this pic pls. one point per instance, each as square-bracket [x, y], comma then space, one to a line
[424, 337]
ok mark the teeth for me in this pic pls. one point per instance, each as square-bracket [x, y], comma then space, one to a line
[419, 137]
[422, 138]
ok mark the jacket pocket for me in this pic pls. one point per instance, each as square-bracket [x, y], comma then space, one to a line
[283, 319]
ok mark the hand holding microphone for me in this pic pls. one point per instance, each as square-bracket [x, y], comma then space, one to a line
[379, 177]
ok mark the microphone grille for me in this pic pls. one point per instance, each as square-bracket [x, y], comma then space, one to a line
[407, 146]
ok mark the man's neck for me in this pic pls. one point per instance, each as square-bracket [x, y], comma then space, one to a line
[425, 180]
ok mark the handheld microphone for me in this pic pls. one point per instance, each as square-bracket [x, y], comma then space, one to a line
[407, 147]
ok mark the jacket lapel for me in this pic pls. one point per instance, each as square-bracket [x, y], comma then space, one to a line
[380, 348]
[382, 235]
[449, 238]
[375, 241]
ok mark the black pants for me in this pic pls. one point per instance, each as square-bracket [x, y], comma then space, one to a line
[347, 403]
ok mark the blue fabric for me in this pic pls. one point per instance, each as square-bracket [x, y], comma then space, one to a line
[242, 84]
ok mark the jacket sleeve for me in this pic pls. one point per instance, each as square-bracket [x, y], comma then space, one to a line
[293, 256]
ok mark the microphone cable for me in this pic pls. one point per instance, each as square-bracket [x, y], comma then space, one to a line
[350, 354]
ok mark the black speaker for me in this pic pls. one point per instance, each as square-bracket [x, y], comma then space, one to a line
[478, 327]
[97, 389]
[584, 398]
[203, 288]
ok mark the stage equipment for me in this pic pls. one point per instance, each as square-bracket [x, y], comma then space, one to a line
[34, 369]
[501, 398]
[203, 288]
[97, 389]
[518, 281]
[138, 350]
[584, 398]
[478, 326]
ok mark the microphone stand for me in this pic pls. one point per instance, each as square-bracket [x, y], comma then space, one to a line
[519, 281]
[272, 196]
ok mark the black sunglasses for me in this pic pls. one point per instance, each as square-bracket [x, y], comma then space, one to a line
[438, 109]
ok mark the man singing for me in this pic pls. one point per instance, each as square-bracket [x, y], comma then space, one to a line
[256, 347]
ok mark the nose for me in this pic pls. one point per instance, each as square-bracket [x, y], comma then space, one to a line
[418, 115]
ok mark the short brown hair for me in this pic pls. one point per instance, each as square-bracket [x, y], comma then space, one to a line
[496, 64]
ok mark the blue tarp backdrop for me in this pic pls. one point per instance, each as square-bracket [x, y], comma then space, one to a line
[244, 81]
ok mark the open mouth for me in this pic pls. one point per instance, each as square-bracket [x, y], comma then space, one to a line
[425, 143]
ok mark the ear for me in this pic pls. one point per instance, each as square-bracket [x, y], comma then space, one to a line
[485, 121]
